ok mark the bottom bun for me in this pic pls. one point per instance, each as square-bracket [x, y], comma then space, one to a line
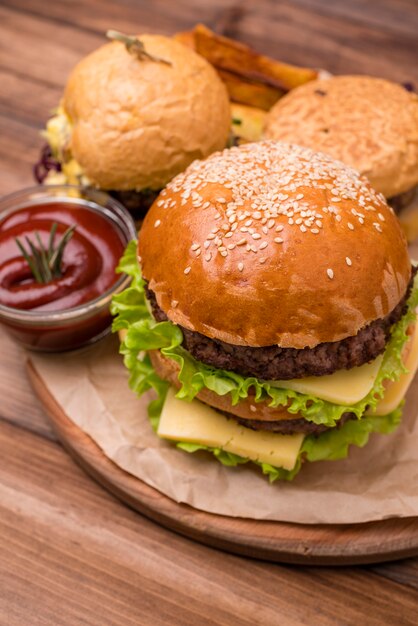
[246, 409]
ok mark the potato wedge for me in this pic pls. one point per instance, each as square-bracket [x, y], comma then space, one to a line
[236, 57]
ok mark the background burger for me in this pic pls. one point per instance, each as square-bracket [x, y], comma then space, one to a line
[133, 116]
[369, 123]
[272, 309]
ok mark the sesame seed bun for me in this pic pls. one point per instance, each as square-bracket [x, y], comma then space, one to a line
[271, 243]
[137, 123]
[369, 123]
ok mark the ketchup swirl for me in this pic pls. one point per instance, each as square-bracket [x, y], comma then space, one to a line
[88, 264]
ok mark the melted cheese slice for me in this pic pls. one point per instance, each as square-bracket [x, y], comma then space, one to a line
[341, 387]
[396, 391]
[195, 422]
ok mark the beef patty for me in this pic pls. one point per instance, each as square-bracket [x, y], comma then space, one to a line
[275, 363]
[401, 201]
[291, 427]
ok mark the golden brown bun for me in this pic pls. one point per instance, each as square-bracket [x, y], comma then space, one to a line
[137, 123]
[168, 370]
[369, 123]
[269, 244]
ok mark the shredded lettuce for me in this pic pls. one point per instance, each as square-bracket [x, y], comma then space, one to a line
[144, 333]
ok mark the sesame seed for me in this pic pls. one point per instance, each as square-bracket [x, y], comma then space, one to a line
[270, 224]
[195, 246]
[335, 199]
[241, 242]
[253, 408]
[221, 200]
[302, 228]
[198, 252]
[290, 221]
[257, 215]
[338, 218]
[256, 236]
[231, 246]
[208, 256]
[262, 260]
[278, 240]
[330, 273]
[348, 260]
[157, 223]
[299, 196]
[263, 245]
[377, 226]
[248, 223]
[223, 253]
[381, 217]
[315, 231]
[187, 270]
[228, 235]
[206, 245]
[174, 303]
[265, 230]
[279, 228]
[211, 236]
[240, 266]
[350, 226]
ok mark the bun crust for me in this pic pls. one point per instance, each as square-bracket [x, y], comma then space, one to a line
[271, 243]
[369, 123]
[138, 123]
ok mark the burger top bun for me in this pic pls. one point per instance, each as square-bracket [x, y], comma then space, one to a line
[271, 243]
[138, 122]
[368, 123]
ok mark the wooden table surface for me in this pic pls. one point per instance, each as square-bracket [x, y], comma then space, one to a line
[69, 552]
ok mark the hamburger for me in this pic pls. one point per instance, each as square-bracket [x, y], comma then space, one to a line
[133, 116]
[369, 123]
[272, 309]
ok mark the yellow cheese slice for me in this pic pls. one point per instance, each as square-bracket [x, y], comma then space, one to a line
[342, 387]
[195, 422]
[396, 391]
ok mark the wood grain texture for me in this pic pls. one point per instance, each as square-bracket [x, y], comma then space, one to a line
[70, 553]
[272, 541]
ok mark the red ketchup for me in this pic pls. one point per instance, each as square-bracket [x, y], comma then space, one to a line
[87, 270]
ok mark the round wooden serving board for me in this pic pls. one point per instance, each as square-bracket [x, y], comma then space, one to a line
[347, 544]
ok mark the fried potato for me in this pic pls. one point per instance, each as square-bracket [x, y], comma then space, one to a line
[250, 93]
[251, 78]
[227, 54]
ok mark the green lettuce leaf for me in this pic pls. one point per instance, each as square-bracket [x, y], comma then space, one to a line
[144, 333]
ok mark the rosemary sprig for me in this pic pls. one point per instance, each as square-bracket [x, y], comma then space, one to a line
[134, 46]
[45, 263]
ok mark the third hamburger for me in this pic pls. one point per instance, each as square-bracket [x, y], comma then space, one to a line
[368, 123]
